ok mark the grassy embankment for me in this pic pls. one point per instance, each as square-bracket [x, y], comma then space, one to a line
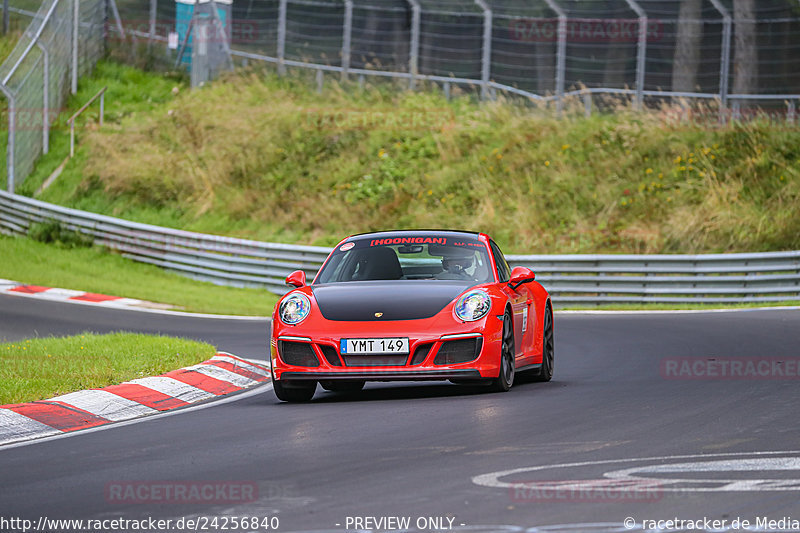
[267, 158]
[37, 369]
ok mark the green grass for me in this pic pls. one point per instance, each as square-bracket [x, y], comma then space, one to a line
[264, 157]
[96, 270]
[38, 369]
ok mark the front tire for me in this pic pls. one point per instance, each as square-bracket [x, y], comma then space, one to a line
[294, 391]
[548, 347]
[505, 379]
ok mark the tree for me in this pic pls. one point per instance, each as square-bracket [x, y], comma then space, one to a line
[745, 64]
[687, 47]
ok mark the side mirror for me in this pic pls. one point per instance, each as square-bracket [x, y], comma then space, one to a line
[520, 276]
[296, 278]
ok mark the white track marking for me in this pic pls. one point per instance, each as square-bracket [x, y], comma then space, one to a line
[105, 404]
[172, 387]
[61, 294]
[7, 285]
[119, 302]
[238, 362]
[222, 374]
[744, 461]
[14, 426]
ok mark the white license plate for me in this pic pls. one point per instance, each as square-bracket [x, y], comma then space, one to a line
[398, 345]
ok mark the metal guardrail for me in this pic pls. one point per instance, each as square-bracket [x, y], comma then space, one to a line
[220, 260]
[573, 280]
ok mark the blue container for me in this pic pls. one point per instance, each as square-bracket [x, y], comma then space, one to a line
[185, 9]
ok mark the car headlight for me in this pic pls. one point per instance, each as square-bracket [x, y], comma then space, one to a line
[294, 309]
[472, 306]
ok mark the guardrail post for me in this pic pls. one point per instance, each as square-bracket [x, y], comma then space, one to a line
[725, 59]
[486, 58]
[641, 51]
[561, 53]
[282, 36]
[346, 37]
[413, 52]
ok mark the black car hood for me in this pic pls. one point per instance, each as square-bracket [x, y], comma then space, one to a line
[397, 300]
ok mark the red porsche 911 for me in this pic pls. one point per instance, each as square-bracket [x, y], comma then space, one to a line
[411, 305]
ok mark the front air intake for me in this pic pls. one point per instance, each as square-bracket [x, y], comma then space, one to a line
[458, 351]
[297, 354]
[331, 355]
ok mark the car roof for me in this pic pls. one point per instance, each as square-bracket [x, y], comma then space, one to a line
[417, 233]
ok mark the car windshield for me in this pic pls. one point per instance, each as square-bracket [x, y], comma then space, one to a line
[408, 259]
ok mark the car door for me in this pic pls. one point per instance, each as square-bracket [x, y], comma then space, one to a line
[520, 305]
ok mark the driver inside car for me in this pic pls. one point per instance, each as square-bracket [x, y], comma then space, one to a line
[455, 266]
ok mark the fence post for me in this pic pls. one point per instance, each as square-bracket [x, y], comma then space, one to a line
[45, 98]
[587, 104]
[118, 22]
[153, 11]
[348, 32]
[221, 34]
[12, 134]
[281, 36]
[76, 15]
[725, 60]
[5, 17]
[561, 53]
[413, 54]
[486, 59]
[641, 52]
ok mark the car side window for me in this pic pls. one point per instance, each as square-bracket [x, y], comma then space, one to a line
[503, 272]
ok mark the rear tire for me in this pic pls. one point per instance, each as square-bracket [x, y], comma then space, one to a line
[342, 386]
[294, 391]
[505, 379]
[548, 347]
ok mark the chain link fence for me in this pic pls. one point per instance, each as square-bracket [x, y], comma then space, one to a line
[62, 42]
[731, 54]
[734, 56]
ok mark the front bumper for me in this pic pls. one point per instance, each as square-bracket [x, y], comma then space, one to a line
[391, 375]
[463, 356]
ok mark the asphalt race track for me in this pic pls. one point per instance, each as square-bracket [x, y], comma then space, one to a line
[638, 424]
